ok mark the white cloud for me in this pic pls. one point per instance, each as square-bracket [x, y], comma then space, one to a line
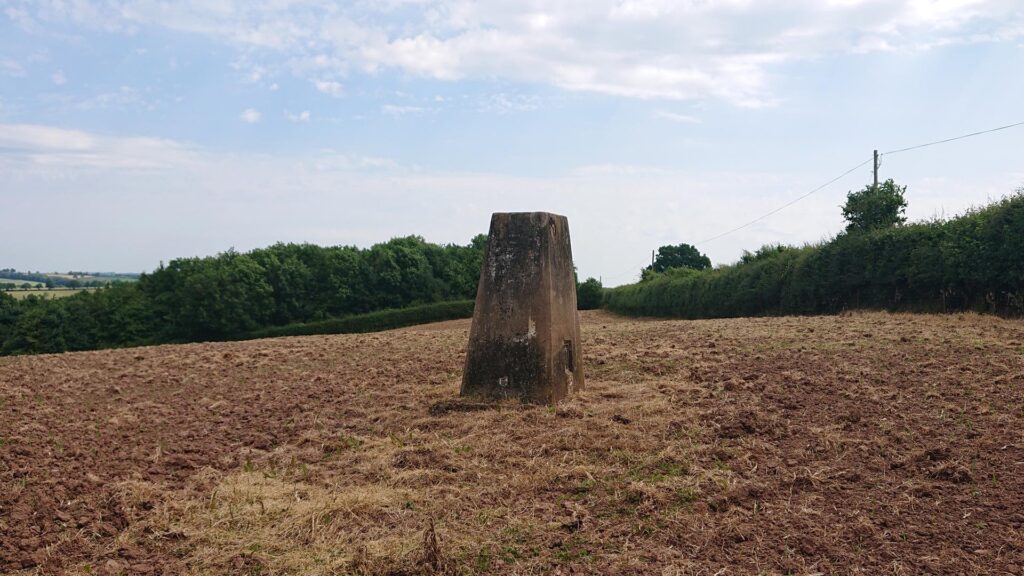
[650, 49]
[329, 87]
[505, 103]
[21, 17]
[178, 200]
[58, 78]
[252, 72]
[11, 68]
[300, 117]
[122, 98]
[329, 160]
[676, 117]
[52, 149]
[250, 116]
[26, 137]
[396, 110]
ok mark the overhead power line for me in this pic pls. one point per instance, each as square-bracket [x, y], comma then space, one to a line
[875, 159]
[784, 206]
[954, 138]
[763, 216]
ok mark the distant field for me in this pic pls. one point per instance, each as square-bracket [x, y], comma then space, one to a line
[19, 282]
[90, 277]
[53, 293]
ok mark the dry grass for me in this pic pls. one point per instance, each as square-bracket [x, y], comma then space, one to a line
[284, 524]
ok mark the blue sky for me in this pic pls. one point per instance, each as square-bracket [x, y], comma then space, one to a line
[135, 131]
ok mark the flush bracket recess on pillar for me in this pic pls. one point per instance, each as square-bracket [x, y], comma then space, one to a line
[525, 339]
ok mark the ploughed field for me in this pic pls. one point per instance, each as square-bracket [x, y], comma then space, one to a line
[861, 444]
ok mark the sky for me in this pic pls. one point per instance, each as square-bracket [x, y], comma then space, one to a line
[138, 131]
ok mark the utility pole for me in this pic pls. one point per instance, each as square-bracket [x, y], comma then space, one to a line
[652, 259]
[876, 169]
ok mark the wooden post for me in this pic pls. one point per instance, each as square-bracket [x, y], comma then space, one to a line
[876, 169]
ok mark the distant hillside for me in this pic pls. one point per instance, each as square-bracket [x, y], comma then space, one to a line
[68, 280]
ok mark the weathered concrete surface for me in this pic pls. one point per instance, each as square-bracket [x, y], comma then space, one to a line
[525, 339]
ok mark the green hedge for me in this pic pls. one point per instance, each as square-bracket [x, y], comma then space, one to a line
[371, 322]
[217, 298]
[974, 262]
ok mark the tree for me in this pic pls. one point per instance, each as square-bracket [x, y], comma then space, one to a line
[230, 294]
[8, 316]
[874, 208]
[589, 294]
[398, 273]
[764, 252]
[681, 256]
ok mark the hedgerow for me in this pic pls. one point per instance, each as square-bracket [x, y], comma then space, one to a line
[973, 262]
[371, 322]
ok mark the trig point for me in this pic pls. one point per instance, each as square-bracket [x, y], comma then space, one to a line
[525, 339]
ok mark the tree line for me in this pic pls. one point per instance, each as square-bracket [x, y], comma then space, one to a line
[973, 262]
[231, 294]
[49, 281]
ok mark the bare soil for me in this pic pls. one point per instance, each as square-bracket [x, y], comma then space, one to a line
[859, 444]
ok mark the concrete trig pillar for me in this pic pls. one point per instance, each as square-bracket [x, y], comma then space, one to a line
[525, 338]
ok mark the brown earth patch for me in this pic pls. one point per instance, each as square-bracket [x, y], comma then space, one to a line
[771, 446]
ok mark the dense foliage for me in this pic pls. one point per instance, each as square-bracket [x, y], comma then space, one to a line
[232, 294]
[974, 262]
[12, 286]
[372, 321]
[589, 294]
[680, 256]
[875, 207]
